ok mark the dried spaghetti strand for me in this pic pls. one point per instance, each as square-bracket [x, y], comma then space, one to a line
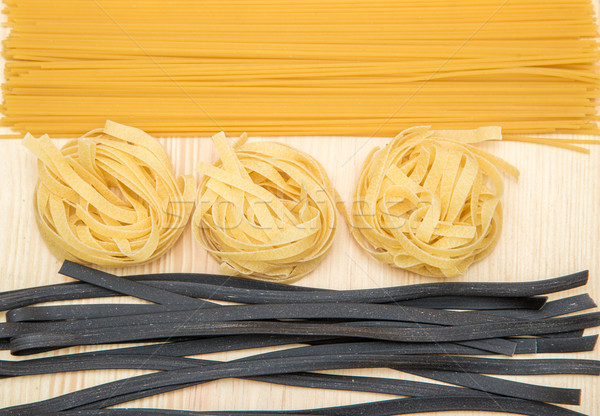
[429, 202]
[109, 197]
[265, 210]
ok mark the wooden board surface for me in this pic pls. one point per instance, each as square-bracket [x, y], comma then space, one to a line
[552, 227]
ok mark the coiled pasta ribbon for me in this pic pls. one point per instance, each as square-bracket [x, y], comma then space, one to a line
[109, 197]
[265, 210]
[429, 202]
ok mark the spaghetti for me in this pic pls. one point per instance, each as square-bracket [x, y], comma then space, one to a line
[292, 67]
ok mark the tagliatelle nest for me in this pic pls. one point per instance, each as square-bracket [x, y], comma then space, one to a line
[429, 202]
[109, 197]
[265, 210]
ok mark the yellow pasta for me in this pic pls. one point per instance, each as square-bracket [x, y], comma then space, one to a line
[429, 202]
[109, 197]
[265, 210]
[293, 67]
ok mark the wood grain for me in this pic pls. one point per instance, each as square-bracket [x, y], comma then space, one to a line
[552, 227]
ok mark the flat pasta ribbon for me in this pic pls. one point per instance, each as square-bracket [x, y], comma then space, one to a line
[429, 202]
[109, 197]
[265, 210]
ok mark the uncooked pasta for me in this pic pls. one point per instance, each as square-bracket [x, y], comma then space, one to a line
[109, 197]
[290, 67]
[265, 210]
[429, 202]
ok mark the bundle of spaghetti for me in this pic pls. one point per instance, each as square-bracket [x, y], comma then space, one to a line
[109, 197]
[429, 201]
[330, 67]
[265, 210]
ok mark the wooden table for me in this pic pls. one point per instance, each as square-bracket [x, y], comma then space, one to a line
[551, 228]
